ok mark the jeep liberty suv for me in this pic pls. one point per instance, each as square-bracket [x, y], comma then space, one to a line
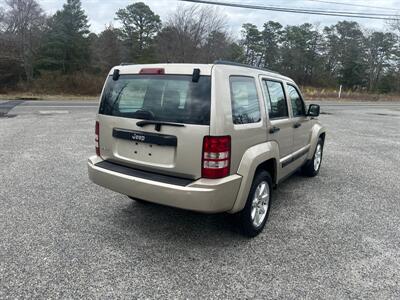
[204, 137]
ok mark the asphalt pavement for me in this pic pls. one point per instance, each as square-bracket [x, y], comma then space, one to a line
[335, 236]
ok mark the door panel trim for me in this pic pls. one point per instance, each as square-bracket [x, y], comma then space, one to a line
[285, 161]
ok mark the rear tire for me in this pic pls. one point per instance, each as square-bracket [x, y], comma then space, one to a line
[256, 211]
[312, 167]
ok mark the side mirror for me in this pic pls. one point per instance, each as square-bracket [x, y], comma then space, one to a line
[313, 110]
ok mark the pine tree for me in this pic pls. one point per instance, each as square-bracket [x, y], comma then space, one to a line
[139, 27]
[66, 46]
[107, 49]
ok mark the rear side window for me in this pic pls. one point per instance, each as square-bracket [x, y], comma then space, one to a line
[276, 102]
[169, 98]
[297, 103]
[245, 104]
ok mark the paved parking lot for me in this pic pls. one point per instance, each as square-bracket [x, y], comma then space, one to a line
[329, 237]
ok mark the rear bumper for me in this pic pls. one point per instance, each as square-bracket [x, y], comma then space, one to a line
[203, 195]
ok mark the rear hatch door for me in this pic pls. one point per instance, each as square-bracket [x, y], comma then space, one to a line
[155, 122]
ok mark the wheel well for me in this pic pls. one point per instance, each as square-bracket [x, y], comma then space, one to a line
[322, 136]
[270, 167]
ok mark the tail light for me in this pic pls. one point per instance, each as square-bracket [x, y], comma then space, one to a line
[216, 157]
[96, 138]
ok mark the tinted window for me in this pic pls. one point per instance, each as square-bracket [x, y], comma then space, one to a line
[170, 98]
[276, 104]
[297, 103]
[245, 105]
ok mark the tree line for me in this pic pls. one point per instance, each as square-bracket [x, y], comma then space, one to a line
[343, 54]
[60, 48]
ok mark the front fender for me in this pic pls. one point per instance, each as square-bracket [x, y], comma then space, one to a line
[251, 159]
[317, 130]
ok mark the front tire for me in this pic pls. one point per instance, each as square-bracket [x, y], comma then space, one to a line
[255, 213]
[312, 167]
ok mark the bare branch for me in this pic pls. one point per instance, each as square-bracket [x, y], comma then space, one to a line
[190, 35]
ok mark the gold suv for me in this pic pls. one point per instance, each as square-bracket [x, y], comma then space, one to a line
[204, 137]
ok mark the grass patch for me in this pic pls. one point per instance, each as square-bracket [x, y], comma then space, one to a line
[85, 86]
[312, 93]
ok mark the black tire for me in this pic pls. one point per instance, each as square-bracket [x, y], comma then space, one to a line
[245, 216]
[309, 169]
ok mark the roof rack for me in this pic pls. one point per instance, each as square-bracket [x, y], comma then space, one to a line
[231, 63]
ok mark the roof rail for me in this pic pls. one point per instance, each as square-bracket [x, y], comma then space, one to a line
[126, 64]
[231, 63]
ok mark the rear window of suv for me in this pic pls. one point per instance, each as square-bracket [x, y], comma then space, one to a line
[169, 98]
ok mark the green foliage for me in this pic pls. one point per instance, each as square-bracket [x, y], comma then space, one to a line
[62, 46]
[389, 82]
[346, 43]
[382, 50]
[301, 58]
[235, 53]
[340, 54]
[139, 27]
[271, 41]
[66, 43]
[107, 49]
[251, 43]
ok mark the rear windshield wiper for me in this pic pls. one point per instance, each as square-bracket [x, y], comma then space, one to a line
[158, 124]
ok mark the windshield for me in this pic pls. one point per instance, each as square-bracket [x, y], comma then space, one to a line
[169, 98]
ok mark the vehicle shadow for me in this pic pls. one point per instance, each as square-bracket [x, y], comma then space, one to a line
[166, 224]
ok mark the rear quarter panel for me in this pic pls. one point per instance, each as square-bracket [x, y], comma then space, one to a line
[252, 158]
[243, 136]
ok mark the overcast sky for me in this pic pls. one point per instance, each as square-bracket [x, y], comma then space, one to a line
[102, 12]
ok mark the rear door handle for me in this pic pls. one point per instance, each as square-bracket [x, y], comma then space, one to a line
[274, 129]
[297, 125]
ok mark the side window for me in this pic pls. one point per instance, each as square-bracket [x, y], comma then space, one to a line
[245, 104]
[276, 104]
[298, 106]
